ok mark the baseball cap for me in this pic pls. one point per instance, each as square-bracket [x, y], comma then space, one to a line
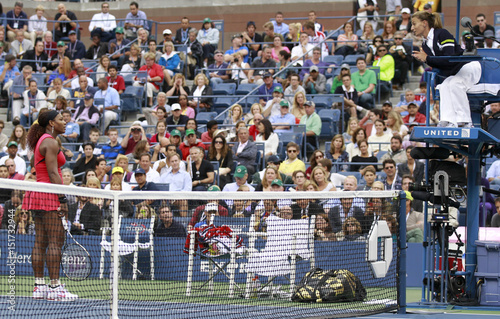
[284, 103]
[427, 6]
[211, 206]
[176, 106]
[207, 20]
[117, 169]
[139, 171]
[72, 32]
[278, 89]
[237, 35]
[241, 171]
[345, 66]
[387, 103]
[12, 143]
[489, 34]
[175, 133]
[119, 30]
[466, 32]
[213, 188]
[267, 74]
[167, 31]
[88, 96]
[313, 68]
[136, 123]
[309, 103]
[412, 103]
[190, 131]
[61, 44]
[273, 159]
[277, 181]
[406, 10]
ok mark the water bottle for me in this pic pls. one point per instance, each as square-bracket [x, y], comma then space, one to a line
[255, 287]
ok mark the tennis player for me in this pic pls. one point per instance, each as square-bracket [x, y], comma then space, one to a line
[48, 208]
[461, 76]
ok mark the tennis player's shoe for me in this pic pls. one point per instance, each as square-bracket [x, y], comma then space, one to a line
[60, 294]
[40, 292]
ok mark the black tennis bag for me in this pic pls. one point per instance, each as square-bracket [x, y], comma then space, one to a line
[338, 285]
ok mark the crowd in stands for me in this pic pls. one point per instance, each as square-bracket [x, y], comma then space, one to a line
[166, 146]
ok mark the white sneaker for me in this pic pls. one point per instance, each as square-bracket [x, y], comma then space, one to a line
[466, 125]
[446, 124]
[40, 292]
[60, 294]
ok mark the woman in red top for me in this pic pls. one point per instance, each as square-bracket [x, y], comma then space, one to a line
[48, 209]
[155, 74]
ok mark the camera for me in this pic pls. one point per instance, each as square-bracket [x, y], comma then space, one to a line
[235, 60]
[412, 187]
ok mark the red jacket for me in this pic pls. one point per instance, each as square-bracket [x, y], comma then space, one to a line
[154, 71]
[419, 118]
[253, 131]
[185, 149]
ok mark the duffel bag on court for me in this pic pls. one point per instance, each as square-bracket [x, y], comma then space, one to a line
[338, 285]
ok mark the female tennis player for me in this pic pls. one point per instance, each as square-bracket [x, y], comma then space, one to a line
[48, 208]
[461, 76]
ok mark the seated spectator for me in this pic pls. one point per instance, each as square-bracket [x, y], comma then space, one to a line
[218, 70]
[132, 62]
[234, 115]
[353, 148]
[152, 48]
[111, 102]
[386, 63]
[364, 80]
[314, 159]
[402, 106]
[88, 161]
[293, 35]
[24, 223]
[113, 148]
[72, 129]
[298, 108]
[208, 36]
[102, 171]
[261, 67]
[313, 125]
[66, 22]
[344, 213]
[347, 43]
[167, 226]
[266, 90]
[117, 47]
[250, 38]
[253, 130]
[352, 230]
[161, 135]
[102, 68]
[169, 62]
[202, 171]
[352, 125]
[34, 102]
[18, 135]
[219, 151]
[396, 153]
[323, 230]
[314, 61]
[389, 32]
[77, 64]
[185, 108]
[240, 69]
[337, 81]
[293, 88]
[292, 164]
[194, 53]
[75, 82]
[203, 212]
[140, 148]
[97, 49]
[50, 46]
[200, 88]
[277, 47]
[411, 167]
[181, 35]
[79, 94]
[381, 137]
[300, 181]
[316, 37]
[177, 120]
[269, 33]
[414, 116]
[161, 164]
[369, 175]
[392, 181]
[304, 47]
[190, 142]
[274, 162]
[350, 96]
[13, 172]
[62, 72]
[135, 20]
[76, 48]
[154, 76]
[134, 134]
[272, 106]
[143, 185]
[245, 151]
[178, 87]
[493, 173]
[38, 56]
[268, 137]
[282, 122]
[20, 45]
[368, 121]
[314, 82]
[304, 208]
[367, 37]
[145, 164]
[237, 46]
[402, 59]
[84, 216]
[363, 157]
[320, 177]
[115, 81]
[395, 124]
[337, 153]
[56, 92]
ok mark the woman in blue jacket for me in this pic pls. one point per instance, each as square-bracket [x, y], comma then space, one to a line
[169, 61]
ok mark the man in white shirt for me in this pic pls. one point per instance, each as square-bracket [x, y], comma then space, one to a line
[178, 181]
[103, 24]
[145, 164]
[75, 83]
[12, 154]
[279, 26]
[315, 37]
[118, 172]
[304, 47]
[162, 166]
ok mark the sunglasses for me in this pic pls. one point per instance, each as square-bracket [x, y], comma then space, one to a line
[319, 156]
[219, 142]
[136, 129]
[292, 151]
[383, 50]
[377, 41]
[349, 225]
[23, 213]
[398, 38]
[389, 167]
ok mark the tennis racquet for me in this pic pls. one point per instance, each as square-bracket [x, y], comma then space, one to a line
[75, 259]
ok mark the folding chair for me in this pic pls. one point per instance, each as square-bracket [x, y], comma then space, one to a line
[277, 259]
[135, 234]
[221, 264]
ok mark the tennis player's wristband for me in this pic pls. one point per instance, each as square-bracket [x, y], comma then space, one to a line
[63, 200]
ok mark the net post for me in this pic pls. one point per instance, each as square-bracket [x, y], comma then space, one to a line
[152, 249]
[312, 225]
[402, 254]
[190, 262]
[251, 249]
[232, 266]
[115, 231]
[101, 261]
[136, 254]
[293, 264]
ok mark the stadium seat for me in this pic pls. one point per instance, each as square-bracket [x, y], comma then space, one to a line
[351, 59]
[322, 101]
[224, 89]
[333, 59]
[244, 89]
[133, 98]
[203, 117]
[329, 119]
[224, 101]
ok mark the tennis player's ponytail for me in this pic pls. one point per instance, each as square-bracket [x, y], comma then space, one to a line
[40, 127]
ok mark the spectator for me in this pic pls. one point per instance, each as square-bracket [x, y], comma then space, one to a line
[34, 101]
[320, 177]
[57, 55]
[389, 32]
[103, 24]
[161, 135]
[239, 69]
[411, 167]
[190, 142]
[352, 148]
[201, 170]
[293, 88]
[413, 115]
[135, 20]
[3, 137]
[20, 45]
[366, 37]
[167, 226]
[158, 112]
[241, 178]
[402, 59]
[219, 151]
[372, 49]
[66, 22]
[154, 74]
[352, 230]
[395, 124]
[251, 38]
[169, 62]
[201, 88]
[265, 91]
[261, 68]
[80, 92]
[480, 28]
[17, 20]
[145, 164]
[369, 175]
[350, 96]
[245, 151]
[19, 135]
[495, 220]
[142, 38]
[277, 48]
[97, 49]
[397, 153]
[234, 115]
[303, 47]
[88, 161]
[364, 80]
[116, 81]
[386, 109]
[37, 25]
[76, 48]
[312, 17]
[315, 37]
[268, 137]
[402, 106]
[314, 159]
[271, 174]
[294, 35]
[117, 47]
[269, 33]
[84, 216]
[102, 68]
[404, 24]
[272, 106]
[314, 61]
[132, 62]
[182, 34]
[8, 72]
[381, 137]
[178, 87]
[337, 153]
[299, 109]
[203, 212]
[279, 26]
[12, 154]
[489, 38]
[292, 164]
[212, 127]
[364, 157]
[143, 185]
[392, 181]
[337, 81]
[282, 122]
[386, 63]
[367, 12]
[237, 46]
[347, 43]
[208, 36]
[134, 134]
[152, 48]
[110, 99]
[194, 53]
[12, 169]
[25, 225]
[313, 125]
[72, 129]
[256, 108]
[253, 130]
[113, 148]
[176, 120]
